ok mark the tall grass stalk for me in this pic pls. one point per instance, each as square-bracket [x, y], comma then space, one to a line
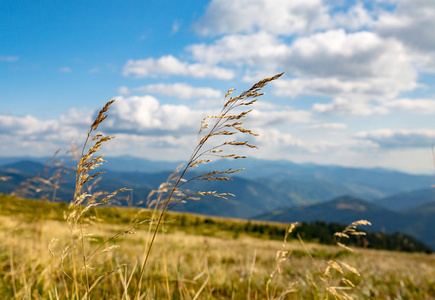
[84, 200]
[224, 124]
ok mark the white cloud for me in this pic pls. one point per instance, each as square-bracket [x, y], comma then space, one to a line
[283, 18]
[169, 65]
[278, 144]
[123, 90]
[26, 125]
[180, 90]
[8, 58]
[352, 68]
[166, 147]
[14, 146]
[420, 106]
[143, 119]
[77, 118]
[354, 18]
[365, 88]
[359, 69]
[263, 118]
[275, 16]
[259, 49]
[332, 63]
[144, 115]
[358, 55]
[405, 138]
[328, 126]
[65, 70]
[412, 23]
[273, 138]
[266, 106]
[28, 135]
[56, 132]
[342, 106]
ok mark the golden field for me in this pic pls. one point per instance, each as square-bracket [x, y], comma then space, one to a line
[191, 260]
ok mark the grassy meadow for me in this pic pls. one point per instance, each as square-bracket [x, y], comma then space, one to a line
[193, 259]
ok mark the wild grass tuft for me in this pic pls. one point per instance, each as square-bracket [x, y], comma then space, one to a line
[80, 218]
[226, 123]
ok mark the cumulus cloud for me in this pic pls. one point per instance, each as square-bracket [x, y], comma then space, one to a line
[26, 134]
[358, 68]
[153, 125]
[354, 69]
[328, 126]
[367, 88]
[420, 106]
[26, 125]
[276, 16]
[363, 54]
[354, 18]
[333, 53]
[389, 138]
[144, 115]
[262, 118]
[123, 90]
[332, 63]
[258, 49]
[76, 117]
[344, 60]
[180, 90]
[169, 65]
[275, 143]
[342, 106]
[273, 138]
[412, 23]
[141, 121]
[160, 147]
[58, 131]
[281, 17]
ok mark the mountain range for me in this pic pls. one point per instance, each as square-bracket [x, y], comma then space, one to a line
[280, 191]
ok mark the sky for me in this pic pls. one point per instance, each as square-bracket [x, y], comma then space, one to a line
[358, 89]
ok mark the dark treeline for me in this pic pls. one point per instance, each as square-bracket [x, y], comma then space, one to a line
[319, 232]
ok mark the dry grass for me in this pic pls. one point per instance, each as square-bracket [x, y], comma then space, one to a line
[227, 123]
[181, 264]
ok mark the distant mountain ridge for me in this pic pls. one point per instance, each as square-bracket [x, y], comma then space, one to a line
[407, 200]
[379, 181]
[343, 210]
[289, 183]
[418, 222]
[271, 190]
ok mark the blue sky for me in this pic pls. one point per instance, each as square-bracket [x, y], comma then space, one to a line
[358, 90]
